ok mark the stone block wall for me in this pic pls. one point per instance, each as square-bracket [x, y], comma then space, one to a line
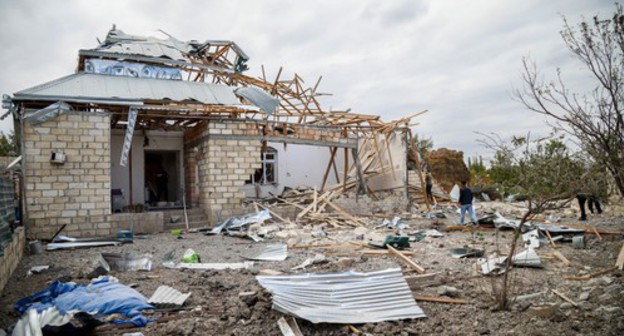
[76, 193]
[12, 255]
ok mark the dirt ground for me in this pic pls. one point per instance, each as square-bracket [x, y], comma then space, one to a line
[217, 308]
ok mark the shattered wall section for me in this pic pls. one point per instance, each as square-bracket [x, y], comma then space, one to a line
[77, 192]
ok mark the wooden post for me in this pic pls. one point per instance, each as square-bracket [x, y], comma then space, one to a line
[358, 166]
[420, 177]
[329, 165]
[346, 168]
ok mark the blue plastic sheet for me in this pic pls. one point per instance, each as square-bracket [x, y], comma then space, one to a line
[103, 296]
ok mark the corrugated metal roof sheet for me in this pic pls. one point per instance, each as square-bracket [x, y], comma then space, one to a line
[274, 252]
[263, 100]
[349, 297]
[94, 87]
[165, 296]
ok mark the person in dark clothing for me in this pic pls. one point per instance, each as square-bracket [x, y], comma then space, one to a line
[429, 186]
[592, 201]
[162, 185]
[465, 203]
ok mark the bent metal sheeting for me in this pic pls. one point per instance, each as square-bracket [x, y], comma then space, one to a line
[348, 297]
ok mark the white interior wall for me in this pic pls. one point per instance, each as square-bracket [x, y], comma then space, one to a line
[394, 154]
[300, 165]
[120, 176]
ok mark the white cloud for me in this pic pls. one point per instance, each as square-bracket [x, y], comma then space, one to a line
[459, 60]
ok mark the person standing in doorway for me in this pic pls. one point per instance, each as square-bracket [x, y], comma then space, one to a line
[465, 203]
[162, 184]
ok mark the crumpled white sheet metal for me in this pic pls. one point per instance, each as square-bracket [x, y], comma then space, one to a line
[263, 100]
[347, 297]
[496, 266]
[273, 252]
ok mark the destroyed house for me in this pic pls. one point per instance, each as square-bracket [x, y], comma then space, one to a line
[146, 127]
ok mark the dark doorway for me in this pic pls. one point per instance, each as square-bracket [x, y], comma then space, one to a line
[162, 178]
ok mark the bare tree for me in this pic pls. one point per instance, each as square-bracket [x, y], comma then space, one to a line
[546, 173]
[594, 118]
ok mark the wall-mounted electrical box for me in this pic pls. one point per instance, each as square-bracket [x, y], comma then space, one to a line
[58, 158]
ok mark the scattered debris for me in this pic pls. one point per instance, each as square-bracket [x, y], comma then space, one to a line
[348, 297]
[190, 257]
[241, 222]
[528, 296]
[317, 259]
[275, 252]
[496, 265]
[399, 242]
[564, 297]
[125, 262]
[168, 297]
[448, 291]
[170, 262]
[619, 263]
[407, 260]
[289, 327]
[439, 299]
[37, 269]
[102, 298]
[76, 244]
[217, 266]
[531, 239]
[578, 242]
[559, 229]
[463, 252]
[562, 258]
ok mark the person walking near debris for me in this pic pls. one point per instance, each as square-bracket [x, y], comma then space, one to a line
[465, 203]
[429, 186]
[592, 201]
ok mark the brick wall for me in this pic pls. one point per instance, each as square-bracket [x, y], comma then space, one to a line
[12, 255]
[76, 193]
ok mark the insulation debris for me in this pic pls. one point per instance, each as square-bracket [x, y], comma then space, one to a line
[348, 297]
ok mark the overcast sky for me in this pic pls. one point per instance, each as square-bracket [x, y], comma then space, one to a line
[458, 59]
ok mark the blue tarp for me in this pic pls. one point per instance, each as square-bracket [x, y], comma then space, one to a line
[103, 296]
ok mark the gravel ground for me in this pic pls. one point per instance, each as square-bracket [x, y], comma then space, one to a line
[224, 312]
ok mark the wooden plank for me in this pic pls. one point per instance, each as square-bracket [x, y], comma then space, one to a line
[560, 256]
[590, 276]
[552, 242]
[619, 263]
[405, 259]
[289, 327]
[439, 299]
[564, 297]
[344, 213]
[311, 206]
[270, 211]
